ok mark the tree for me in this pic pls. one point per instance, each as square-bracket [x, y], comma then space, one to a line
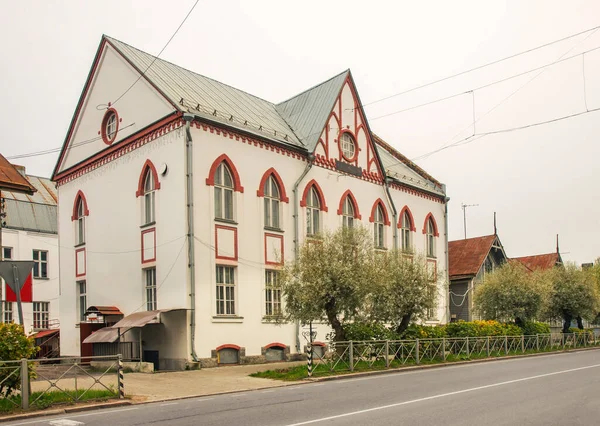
[14, 345]
[573, 294]
[406, 290]
[510, 292]
[330, 279]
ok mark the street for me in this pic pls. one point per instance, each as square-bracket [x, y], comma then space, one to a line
[546, 390]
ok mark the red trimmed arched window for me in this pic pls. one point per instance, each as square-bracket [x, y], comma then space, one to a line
[226, 180]
[272, 190]
[348, 209]
[223, 159]
[147, 185]
[406, 223]
[314, 202]
[80, 211]
[430, 230]
[380, 219]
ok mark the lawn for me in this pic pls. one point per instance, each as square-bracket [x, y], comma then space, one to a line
[40, 400]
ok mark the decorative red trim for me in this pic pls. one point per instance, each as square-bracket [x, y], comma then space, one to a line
[280, 237]
[417, 192]
[435, 228]
[147, 231]
[235, 243]
[228, 346]
[356, 147]
[261, 188]
[107, 114]
[315, 343]
[276, 345]
[349, 193]
[80, 196]
[319, 193]
[386, 218]
[413, 228]
[210, 180]
[77, 274]
[147, 168]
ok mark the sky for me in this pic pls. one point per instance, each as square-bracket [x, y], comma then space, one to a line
[541, 180]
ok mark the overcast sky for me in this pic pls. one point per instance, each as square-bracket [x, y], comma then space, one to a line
[541, 181]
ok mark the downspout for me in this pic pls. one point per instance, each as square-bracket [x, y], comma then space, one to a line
[311, 158]
[446, 199]
[189, 195]
[394, 211]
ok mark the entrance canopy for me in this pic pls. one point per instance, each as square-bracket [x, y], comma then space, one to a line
[104, 335]
[140, 319]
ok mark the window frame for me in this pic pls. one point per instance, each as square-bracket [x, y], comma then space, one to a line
[150, 289]
[379, 227]
[272, 203]
[41, 315]
[348, 213]
[7, 312]
[406, 227]
[430, 246]
[82, 299]
[347, 139]
[273, 292]
[39, 264]
[149, 196]
[80, 219]
[313, 212]
[4, 251]
[225, 292]
[224, 193]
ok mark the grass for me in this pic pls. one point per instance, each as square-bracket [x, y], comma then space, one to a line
[44, 400]
[323, 370]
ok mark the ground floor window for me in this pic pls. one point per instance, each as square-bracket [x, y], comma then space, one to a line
[41, 313]
[150, 283]
[225, 290]
[82, 299]
[7, 310]
[272, 294]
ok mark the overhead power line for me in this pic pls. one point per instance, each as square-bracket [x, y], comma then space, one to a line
[480, 67]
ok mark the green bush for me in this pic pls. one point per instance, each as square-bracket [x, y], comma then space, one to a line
[415, 331]
[531, 328]
[14, 345]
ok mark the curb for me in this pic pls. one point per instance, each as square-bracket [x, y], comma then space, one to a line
[59, 411]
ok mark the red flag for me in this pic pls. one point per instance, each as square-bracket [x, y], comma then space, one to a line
[26, 291]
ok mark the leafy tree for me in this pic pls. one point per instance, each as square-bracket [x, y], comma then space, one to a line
[14, 345]
[405, 291]
[510, 292]
[330, 279]
[574, 294]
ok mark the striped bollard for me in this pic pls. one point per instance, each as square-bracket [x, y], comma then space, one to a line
[120, 378]
[310, 359]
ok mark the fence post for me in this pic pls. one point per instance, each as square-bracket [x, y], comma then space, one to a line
[310, 359]
[24, 384]
[443, 348]
[468, 347]
[120, 377]
[418, 361]
[387, 354]
[506, 345]
[351, 355]
[537, 342]
[574, 340]
[584, 338]
[523, 343]
[76, 393]
[487, 346]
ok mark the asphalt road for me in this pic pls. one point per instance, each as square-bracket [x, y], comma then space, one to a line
[557, 390]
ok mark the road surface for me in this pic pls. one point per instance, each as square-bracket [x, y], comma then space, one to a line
[561, 389]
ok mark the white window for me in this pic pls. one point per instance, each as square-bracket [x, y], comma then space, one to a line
[272, 294]
[348, 213]
[348, 146]
[41, 312]
[8, 312]
[80, 238]
[150, 284]
[431, 312]
[430, 238]
[313, 212]
[405, 231]
[40, 264]
[82, 302]
[379, 228]
[223, 193]
[7, 253]
[149, 194]
[111, 126]
[272, 203]
[225, 290]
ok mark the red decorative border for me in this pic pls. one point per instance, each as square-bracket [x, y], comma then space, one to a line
[224, 158]
[228, 346]
[86, 212]
[147, 168]
[261, 188]
[349, 193]
[276, 345]
[319, 193]
[147, 231]
[435, 227]
[379, 202]
[77, 274]
[280, 237]
[417, 192]
[107, 114]
[235, 242]
[413, 228]
[356, 147]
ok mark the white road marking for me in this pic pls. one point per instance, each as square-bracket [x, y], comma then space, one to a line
[442, 395]
[101, 412]
[203, 399]
[268, 391]
[65, 422]
[169, 403]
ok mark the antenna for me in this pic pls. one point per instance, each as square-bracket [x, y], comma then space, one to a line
[495, 228]
[464, 207]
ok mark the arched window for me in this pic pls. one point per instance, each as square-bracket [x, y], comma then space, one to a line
[149, 194]
[313, 212]
[406, 226]
[272, 202]
[379, 227]
[431, 233]
[224, 188]
[80, 222]
[348, 213]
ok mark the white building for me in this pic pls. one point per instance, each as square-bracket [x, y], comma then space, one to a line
[179, 194]
[31, 233]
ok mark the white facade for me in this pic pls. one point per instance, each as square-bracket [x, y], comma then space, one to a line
[119, 247]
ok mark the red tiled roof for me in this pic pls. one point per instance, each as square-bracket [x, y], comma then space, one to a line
[12, 180]
[465, 257]
[539, 261]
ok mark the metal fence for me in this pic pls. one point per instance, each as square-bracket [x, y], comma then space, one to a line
[41, 383]
[372, 354]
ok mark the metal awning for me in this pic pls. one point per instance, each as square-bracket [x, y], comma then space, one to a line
[103, 310]
[140, 319]
[45, 333]
[104, 335]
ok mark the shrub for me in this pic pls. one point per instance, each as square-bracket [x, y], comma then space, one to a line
[415, 331]
[531, 328]
[14, 345]
[481, 328]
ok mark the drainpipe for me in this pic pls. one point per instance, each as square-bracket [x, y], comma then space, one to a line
[394, 211]
[189, 195]
[446, 199]
[311, 158]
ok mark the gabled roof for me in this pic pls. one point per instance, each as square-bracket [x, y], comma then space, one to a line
[12, 180]
[465, 257]
[540, 261]
[307, 113]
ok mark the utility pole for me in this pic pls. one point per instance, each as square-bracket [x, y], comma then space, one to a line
[464, 207]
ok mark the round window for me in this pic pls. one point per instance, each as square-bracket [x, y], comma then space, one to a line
[348, 146]
[110, 126]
